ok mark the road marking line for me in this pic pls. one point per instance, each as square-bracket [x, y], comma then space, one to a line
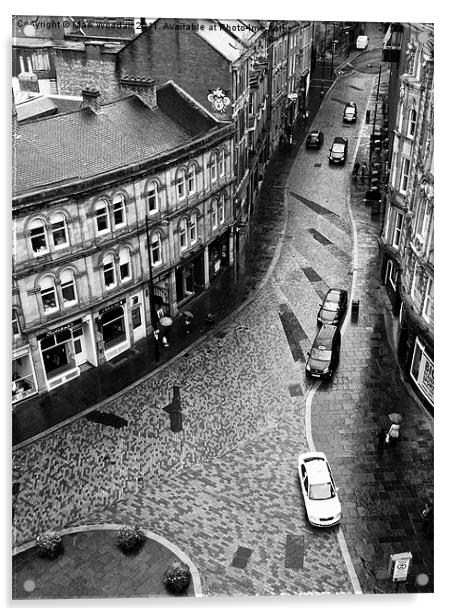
[308, 415]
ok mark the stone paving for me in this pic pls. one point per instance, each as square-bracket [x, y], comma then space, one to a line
[229, 480]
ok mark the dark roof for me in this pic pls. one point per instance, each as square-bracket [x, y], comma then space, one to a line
[83, 144]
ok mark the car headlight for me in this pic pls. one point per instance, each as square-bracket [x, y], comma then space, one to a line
[325, 370]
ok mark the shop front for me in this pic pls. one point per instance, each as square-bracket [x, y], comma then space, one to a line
[190, 278]
[58, 353]
[23, 375]
[114, 329]
[219, 255]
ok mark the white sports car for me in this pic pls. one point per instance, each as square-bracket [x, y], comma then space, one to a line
[319, 490]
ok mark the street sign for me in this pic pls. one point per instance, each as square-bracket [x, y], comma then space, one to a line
[399, 565]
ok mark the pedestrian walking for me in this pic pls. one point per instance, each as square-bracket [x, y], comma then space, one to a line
[381, 439]
[427, 514]
[393, 433]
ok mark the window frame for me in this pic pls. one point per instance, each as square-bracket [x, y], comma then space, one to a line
[97, 208]
[44, 234]
[390, 274]
[397, 229]
[191, 179]
[111, 268]
[221, 164]
[221, 209]
[404, 175]
[62, 222]
[193, 225]
[122, 209]
[47, 291]
[159, 261]
[127, 278]
[180, 183]
[412, 122]
[15, 323]
[152, 191]
[213, 169]
[64, 285]
[428, 300]
[214, 214]
[183, 233]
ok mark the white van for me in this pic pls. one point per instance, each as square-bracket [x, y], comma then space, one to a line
[362, 42]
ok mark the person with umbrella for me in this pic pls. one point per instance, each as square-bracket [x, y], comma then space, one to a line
[394, 430]
[188, 319]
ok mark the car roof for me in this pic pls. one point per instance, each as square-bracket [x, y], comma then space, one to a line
[314, 133]
[317, 470]
[325, 335]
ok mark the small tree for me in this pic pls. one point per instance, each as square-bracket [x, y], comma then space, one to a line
[48, 544]
[129, 538]
[177, 578]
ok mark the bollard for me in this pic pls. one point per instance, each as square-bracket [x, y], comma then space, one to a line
[368, 116]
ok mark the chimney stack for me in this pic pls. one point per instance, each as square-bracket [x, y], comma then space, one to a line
[144, 87]
[91, 99]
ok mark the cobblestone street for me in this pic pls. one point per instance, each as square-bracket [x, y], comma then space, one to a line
[229, 479]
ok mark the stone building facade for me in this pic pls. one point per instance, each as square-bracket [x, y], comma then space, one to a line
[407, 265]
[121, 215]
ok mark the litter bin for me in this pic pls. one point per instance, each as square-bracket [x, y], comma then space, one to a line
[368, 116]
[355, 310]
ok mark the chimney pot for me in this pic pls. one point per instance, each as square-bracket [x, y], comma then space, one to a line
[91, 99]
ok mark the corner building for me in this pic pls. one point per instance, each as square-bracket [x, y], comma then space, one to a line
[106, 200]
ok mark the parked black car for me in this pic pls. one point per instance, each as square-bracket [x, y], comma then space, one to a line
[333, 308]
[338, 151]
[350, 113]
[314, 139]
[324, 354]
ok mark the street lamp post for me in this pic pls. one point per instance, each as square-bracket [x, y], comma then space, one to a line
[151, 297]
[323, 60]
[332, 50]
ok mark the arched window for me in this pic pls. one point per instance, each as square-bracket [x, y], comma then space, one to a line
[221, 208]
[68, 289]
[221, 166]
[183, 234]
[38, 236]
[180, 184]
[119, 210]
[193, 230]
[48, 294]
[213, 168]
[102, 220]
[191, 180]
[60, 237]
[214, 215]
[124, 265]
[412, 125]
[156, 249]
[152, 197]
[108, 265]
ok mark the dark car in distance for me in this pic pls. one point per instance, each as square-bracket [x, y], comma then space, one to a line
[333, 308]
[350, 112]
[314, 139]
[338, 151]
[323, 357]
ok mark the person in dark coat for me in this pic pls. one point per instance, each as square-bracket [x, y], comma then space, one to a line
[381, 439]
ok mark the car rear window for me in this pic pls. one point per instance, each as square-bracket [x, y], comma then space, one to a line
[321, 491]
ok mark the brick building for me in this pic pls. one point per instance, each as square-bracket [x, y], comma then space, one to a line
[119, 219]
[407, 267]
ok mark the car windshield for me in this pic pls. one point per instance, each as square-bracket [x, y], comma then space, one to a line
[338, 148]
[314, 136]
[330, 306]
[320, 354]
[350, 110]
[321, 491]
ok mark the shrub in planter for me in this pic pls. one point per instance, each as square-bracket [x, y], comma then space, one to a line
[130, 538]
[177, 577]
[48, 544]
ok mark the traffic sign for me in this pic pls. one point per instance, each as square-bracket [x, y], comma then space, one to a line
[399, 565]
